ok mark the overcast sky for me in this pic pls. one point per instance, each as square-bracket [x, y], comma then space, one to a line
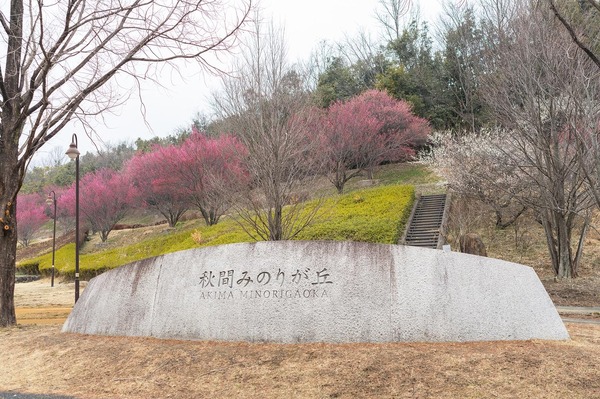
[306, 23]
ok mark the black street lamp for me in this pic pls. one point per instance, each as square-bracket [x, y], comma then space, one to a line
[51, 200]
[73, 153]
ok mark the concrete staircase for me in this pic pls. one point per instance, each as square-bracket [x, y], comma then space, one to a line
[426, 223]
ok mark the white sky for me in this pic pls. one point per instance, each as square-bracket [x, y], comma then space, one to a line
[306, 23]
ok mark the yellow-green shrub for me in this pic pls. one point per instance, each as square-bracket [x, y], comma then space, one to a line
[28, 268]
[371, 215]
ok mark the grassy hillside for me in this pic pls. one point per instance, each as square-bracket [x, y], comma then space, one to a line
[374, 215]
[357, 215]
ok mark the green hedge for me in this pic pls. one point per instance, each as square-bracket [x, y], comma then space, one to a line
[28, 268]
[372, 215]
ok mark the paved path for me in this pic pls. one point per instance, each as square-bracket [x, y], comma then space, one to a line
[581, 321]
[569, 314]
[578, 309]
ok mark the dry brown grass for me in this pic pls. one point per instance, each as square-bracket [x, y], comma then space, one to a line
[40, 359]
[36, 294]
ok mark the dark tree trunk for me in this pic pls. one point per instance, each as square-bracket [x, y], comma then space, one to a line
[11, 179]
[564, 257]
[211, 215]
[11, 170]
[8, 251]
[503, 221]
[275, 224]
[339, 179]
[171, 215]
[8, 237]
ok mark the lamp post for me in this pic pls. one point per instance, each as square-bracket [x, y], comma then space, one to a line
[51, 200]
[73, 153]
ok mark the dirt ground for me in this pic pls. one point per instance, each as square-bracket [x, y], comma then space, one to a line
[38, 303]
[41, 294]
[39, 359]
[583, 291]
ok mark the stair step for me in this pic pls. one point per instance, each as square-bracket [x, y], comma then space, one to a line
[423, 235]
[424, 229]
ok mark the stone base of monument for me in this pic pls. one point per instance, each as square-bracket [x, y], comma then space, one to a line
[295, 291]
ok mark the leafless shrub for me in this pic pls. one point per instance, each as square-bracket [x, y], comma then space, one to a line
[268, 108]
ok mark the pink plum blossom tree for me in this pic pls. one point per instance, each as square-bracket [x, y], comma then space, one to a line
[31, 217]
[359, 134]
[106, 197]
[209, 171]
[157, 178]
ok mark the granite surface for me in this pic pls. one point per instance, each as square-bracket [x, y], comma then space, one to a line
[295, 291]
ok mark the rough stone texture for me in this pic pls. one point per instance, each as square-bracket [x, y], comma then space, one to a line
[471, 243]
[319, 291]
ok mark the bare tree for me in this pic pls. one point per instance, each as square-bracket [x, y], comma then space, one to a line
[476, 168]
[497, 15]
[366, 56]
[390, 15]
[543, 88]
[267, 107]
[581, 23]
[59, 58]
[317, 64]
[55, 157]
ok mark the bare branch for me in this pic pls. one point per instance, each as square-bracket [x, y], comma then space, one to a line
[97, 42]
[4, 23]
[267, 107]
[574, 35]
[544, 90]
[390, 16]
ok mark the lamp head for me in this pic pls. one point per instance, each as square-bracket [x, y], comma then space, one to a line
[73, 152]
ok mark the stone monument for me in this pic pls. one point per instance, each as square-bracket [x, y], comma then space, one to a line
[301, 291]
